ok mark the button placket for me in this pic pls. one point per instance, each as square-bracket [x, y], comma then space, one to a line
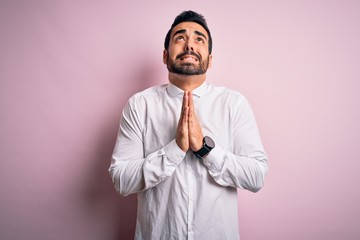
[191, 184]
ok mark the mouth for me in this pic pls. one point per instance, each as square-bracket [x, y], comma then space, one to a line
[188, 58]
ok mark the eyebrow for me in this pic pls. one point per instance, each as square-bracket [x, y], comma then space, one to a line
[196, 32]
[201, 34]
[180, 31]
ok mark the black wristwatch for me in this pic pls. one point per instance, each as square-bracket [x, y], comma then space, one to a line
[208, 145]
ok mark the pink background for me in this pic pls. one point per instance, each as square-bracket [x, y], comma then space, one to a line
[68, 67]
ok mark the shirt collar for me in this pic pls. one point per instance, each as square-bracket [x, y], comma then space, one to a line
[174, 91]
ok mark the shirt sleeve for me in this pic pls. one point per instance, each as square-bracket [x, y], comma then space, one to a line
[246, 165]
[130, 170]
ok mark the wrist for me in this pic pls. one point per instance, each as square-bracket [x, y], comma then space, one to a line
[207, 146]
[184, 147]
[198, 146]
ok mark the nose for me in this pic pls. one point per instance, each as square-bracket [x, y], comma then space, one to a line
[189, 46]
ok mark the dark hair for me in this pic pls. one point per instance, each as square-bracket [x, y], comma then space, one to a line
[189, 16]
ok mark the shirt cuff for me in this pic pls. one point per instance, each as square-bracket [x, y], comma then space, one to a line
[214, 161]
[173, 153]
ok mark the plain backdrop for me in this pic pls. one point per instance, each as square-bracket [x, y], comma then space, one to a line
[68, 67]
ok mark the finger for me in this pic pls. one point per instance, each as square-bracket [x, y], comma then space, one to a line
[185, 108]
[182, 108]
[186, 99]
[191, 107]
[182, 137]
[191, 100]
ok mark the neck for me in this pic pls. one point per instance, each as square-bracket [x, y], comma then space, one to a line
[186, 82]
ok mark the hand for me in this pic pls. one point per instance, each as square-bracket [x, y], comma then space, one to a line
[189, 133]
[182, 133]
[195, 131]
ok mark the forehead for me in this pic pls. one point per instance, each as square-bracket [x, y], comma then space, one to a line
[190, 27]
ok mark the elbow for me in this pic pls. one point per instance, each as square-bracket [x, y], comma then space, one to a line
[256, 186]
[116, 181]
[123, 193]
[253, 184]
[258, 181]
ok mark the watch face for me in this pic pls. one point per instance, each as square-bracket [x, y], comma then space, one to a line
[209, 142]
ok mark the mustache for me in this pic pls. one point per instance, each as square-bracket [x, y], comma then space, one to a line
[188, 53]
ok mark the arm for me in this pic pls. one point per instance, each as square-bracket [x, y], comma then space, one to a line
[246, 165]
[130, 170]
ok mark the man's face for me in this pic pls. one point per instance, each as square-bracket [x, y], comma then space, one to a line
[188, 51]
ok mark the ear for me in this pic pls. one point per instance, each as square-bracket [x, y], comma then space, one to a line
[210, 61]
[165, 56]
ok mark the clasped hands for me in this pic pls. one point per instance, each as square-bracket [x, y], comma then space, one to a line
[189, 134]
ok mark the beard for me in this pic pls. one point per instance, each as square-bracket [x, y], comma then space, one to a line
[188, 68]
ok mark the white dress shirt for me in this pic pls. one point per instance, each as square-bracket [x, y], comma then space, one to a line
[179, 195]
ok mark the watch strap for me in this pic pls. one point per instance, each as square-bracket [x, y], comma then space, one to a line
[208, 145]
[202, 152]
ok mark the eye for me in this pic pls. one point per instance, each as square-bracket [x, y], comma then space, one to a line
[179, 38]
[199, 39]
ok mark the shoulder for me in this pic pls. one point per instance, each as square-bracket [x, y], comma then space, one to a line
[151, 93]
[237, 104]
[226, 93]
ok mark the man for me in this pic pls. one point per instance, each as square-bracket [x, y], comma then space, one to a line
[186, 146]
